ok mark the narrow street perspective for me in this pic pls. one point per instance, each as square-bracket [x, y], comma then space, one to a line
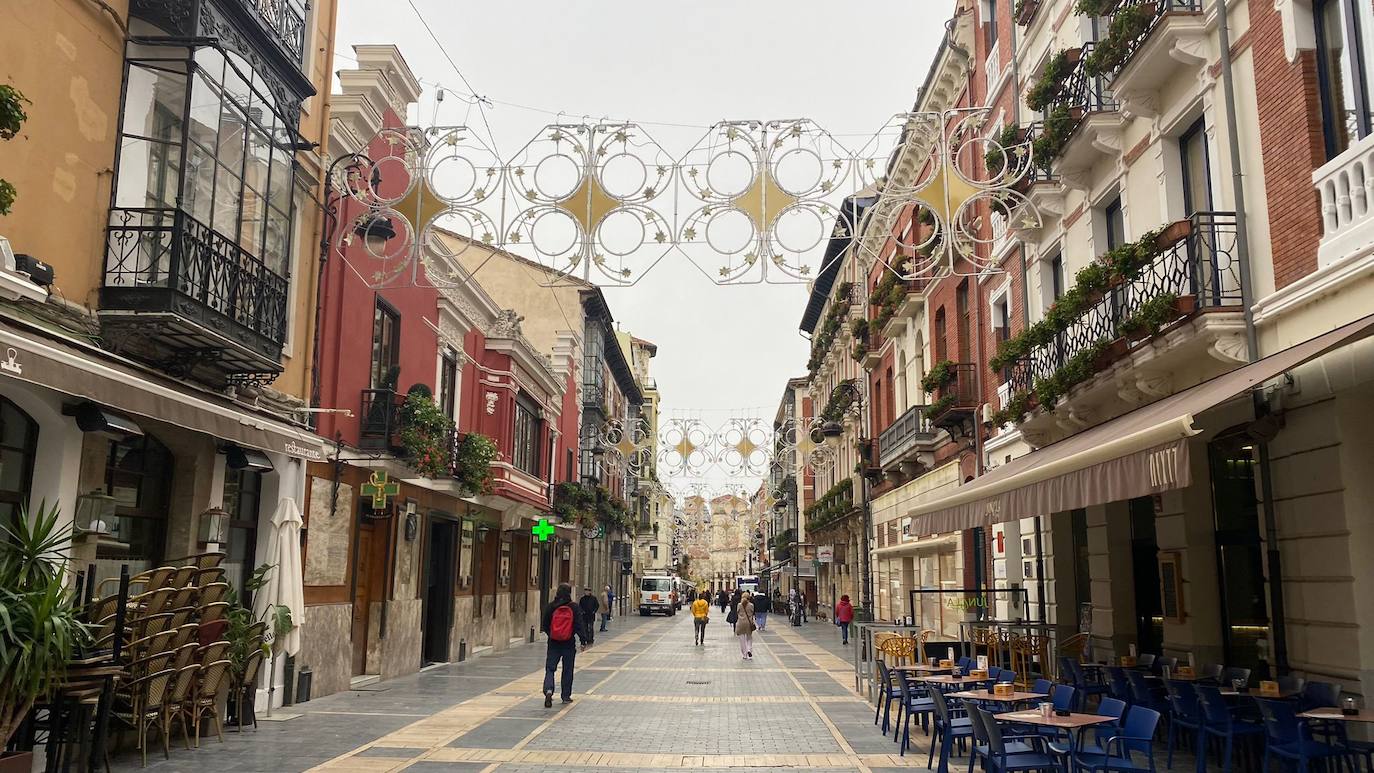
[548, 386]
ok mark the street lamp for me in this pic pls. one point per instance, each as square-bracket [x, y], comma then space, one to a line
[376, 231]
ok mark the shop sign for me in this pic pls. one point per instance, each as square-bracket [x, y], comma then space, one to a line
[825, 554]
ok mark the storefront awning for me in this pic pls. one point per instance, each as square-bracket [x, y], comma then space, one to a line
[1140, 453]
[92, 374]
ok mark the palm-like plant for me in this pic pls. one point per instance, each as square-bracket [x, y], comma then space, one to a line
[39, 623]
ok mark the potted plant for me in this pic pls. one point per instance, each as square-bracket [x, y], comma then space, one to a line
[1050, 84]
[1173, 233]
[12, 117]
[40, 627]
[472, 460]
[1054, 133]
[995, 159]
[1024, 11]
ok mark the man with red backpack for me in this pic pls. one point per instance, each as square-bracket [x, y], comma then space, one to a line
[563, 623]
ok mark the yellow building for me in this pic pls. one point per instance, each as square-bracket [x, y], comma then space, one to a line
[157, 290]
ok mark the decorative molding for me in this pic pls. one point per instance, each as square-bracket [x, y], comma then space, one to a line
[1154, 384]
[1323, 282]
[491, 399]
[1229, 348]
[1299, 34]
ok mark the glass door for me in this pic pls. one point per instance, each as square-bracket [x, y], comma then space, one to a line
[1240, 555]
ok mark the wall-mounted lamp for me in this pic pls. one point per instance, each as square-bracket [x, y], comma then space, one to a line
[213, 526]
[95, 512]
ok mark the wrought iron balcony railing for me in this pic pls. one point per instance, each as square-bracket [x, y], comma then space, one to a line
[1086, 93]
[903, 436]
[1201, 270]
[286, 22]
[165, 261]
[379, 418]
[1157, 9]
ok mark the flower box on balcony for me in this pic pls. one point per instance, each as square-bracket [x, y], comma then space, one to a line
[1025, 11]
[1174, 233]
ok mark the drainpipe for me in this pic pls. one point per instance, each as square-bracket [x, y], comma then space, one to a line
[1274, 568]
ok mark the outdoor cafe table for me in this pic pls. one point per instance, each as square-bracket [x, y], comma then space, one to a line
[1072, 724]
[923, 668]
[952, 681]
[1252, 693]
[983, 695]
[1334, 714]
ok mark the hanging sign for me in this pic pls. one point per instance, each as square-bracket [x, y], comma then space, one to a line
[380, 489]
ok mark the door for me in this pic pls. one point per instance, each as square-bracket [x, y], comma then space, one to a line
[362, 600]
[1149, 607]
[439, 587]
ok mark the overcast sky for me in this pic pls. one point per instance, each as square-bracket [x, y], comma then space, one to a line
[723, 351]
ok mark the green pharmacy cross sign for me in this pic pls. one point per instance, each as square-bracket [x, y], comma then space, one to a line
[380, 489]
[543, 530]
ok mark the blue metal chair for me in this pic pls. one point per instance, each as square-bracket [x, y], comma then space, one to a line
[978, 719]
[1145, 661]
[1117, 686]
[1219, 723]
[1233, 674]
[888, 691]
[1184, 714]
[1286, 738]
[915, 702]
[1005, 676]
[993, 671]
[1108, 707]
[945, 729]
[1142, 694]
[964, 663]
[1004, 757]
[1317, 695]
[1079, 679]
[1136, 735]
[1042, 686]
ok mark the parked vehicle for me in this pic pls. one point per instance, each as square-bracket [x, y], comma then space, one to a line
[657, 593]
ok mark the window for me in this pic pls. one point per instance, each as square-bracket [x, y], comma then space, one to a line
[448, 382]
[1244, 594]
[990, 23]
[964, 313]
[1115, 220]
[1001, 319]
[386, 346]
[138, 474]
[242, 499]
[224, 156]
[1193, 163]
[653, 552]
[525, 454]
[941, 342]
[18, 445]
[1344, 31]
[1057, 276]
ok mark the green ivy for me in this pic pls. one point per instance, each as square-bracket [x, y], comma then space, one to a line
[1152, 315]
[472, 462]
[1014, 412]
[1077, 369]
[940, 375]
[1054, 134]
[839, 402]
[1048, 87]
[939, 406]
[424, 435]
[1094, 7]
[995, 159]
[1127, 25]
[831, 506]
[12, 117]
[1020, 6]
[830, 327]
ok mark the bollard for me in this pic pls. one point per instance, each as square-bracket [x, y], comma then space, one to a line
[531, 634]
[288, 680]
[303, 681]
[462, 650]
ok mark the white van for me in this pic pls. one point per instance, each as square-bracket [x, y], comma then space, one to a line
[657, 594]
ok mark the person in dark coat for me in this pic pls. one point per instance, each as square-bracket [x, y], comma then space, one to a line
[589, 606]
[762, 606]
[722, 600]
[565, 651]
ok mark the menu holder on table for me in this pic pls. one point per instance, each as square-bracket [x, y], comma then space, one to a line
[1186, 672]
[1128, 661]
[978, 673]
[1269, 689]
[1003, 689]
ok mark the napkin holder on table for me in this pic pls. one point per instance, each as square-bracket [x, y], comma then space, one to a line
[946, 663]
[1269, 689]
[1128, 661]
[1003, 689]
[978, 674]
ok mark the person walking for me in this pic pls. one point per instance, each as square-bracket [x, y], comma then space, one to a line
[722, 600]
[844, 615]
[701, 615]
[588, 606]
[743, 611]
[605, 604]
[794, 607]
[562, 623]
[762, 606]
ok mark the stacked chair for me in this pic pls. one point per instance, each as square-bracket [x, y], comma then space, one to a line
[176, 666]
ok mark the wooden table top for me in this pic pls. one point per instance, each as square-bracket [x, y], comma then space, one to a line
[1033, 717]
[1254, 692]
[983, 695]
[1333, 713]
[952, 679]
[923, 668]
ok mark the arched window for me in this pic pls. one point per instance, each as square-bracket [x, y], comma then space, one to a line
[138, 474]
[18, 443]
[902, 400]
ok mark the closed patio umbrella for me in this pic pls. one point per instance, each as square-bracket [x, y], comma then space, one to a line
[284, 582]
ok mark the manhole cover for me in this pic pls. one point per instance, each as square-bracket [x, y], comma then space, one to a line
[698, 681]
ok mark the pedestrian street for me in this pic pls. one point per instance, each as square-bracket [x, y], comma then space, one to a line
[645, 698]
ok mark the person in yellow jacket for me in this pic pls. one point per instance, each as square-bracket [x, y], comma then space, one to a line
[701, 615]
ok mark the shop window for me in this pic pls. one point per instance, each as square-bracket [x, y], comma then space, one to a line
[1345, 38]
[243, 502]
[528, 428]
[1242, 586]
[386, 346]
[138, 474]
[18, 445]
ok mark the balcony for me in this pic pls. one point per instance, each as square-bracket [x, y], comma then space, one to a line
[902, 446]
[379, 421]
[190, 300]
[956, 400]
[1087, 122]
[1345, 185]
[258, 24]
[594, 394]
[1142, 335]
[1173, 36]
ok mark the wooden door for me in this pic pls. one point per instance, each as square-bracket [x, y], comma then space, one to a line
[362, 600]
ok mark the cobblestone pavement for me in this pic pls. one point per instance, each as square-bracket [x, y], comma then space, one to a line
[646, 698]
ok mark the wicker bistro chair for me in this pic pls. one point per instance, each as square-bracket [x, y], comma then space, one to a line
[152, 602]
[204, 700]
[1026, 650]
[213, 591]
[208, 576]
[899, 650]
[150, 625]
[212, 612]
[201, 560]
[141, 707]
[178, 695]
[152, 645]
[213, 652]
[185, 655]
[143, 582]
[185, 634]
[244, 685]
[182, 576]
[185, 596]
